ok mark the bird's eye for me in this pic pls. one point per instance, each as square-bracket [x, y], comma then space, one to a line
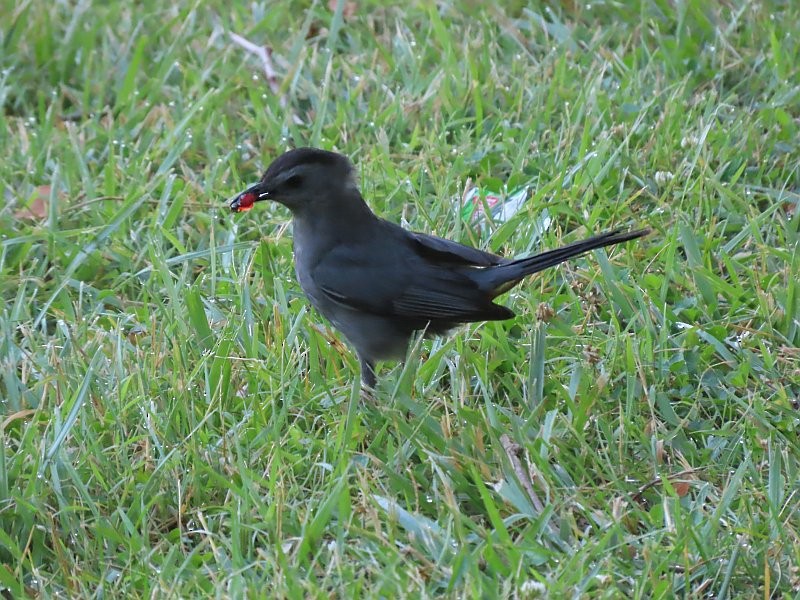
[293, 182]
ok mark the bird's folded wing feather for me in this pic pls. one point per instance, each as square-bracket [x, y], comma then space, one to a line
[444, 251]
[422, 291]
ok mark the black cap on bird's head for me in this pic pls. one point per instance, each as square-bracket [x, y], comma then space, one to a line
[298, 177]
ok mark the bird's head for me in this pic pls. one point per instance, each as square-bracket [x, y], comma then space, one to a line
[301, 179]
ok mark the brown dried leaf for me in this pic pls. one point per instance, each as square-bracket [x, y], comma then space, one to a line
[347, 12]
[39, 207]
[660, 452]
[681, 488]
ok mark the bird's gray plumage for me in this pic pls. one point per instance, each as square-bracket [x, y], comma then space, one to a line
[376, 282]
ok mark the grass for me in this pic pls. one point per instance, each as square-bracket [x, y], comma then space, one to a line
[177, 422]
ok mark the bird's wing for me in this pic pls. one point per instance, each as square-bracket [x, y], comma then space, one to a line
[445, 251]
[399, 285]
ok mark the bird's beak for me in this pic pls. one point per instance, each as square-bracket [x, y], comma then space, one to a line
[244, 201]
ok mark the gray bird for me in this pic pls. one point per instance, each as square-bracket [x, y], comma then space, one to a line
[376, 282]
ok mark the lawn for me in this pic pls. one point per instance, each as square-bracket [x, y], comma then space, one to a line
[176, 421]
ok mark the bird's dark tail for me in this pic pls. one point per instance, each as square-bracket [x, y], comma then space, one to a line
[504, 277]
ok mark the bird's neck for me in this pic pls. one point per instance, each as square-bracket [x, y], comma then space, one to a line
[326, 224]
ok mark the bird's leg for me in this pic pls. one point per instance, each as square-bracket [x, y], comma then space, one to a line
[368, 378]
